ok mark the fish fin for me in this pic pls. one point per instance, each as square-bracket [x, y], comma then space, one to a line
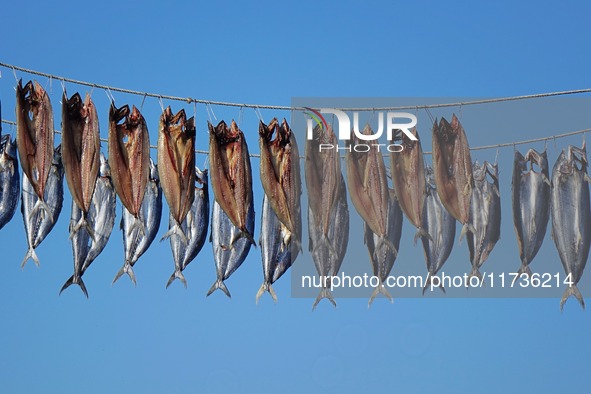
[75, 280]
[83, 223]
[428, 283]
[245, 234]
[324, 293]
[41, 205]
[381, 289]
[31, 254]
[177, 274]
[524, 269]
[137, 223]
[546, 180]
[126, 269]
[421, 232]
[219, 284]
[266, 286]
[572, 291]
[175, 230]
[496, 190]
[587, 178]
[465, 228]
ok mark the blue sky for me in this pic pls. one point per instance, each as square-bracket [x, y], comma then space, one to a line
[150, 339]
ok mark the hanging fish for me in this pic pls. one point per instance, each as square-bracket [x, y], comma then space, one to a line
[136, 241]
[441, 225]
[9, 180]
[231, 176]
[452, 166]
[39, 224]
[176, 166]
[368, 185]
[81, 147]
[129, 158]
[34, 137]
[101, 219]
[384, 250]
[408, 176]
[485, 215]
[194, 227]
[229, 249]
[328, 213]
[531, 204]
[280, 174]
[571, 216]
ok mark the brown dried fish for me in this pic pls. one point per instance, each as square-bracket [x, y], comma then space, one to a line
[230, 174]
[80, 152]
[34, 137]
[129, 156]
[280, 173]
[408, 176]
[452, 166]
[176, 165]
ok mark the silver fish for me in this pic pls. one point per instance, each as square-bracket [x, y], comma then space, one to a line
[531, 204]
[441, 225]
[485, 215]
[80, 247]
[100, 218]
[194, 227]
[571, 216]
[277, 251]
[136, 241]
[384, 250]
[38, 224]
[229, 248]
[9, 180]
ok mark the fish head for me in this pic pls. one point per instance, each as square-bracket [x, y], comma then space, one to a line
[201, 177]
[266, 131]
[116, 115]
[575, 160]
[88, 108]
[73, 105]
[539, 160]
[105, 170]
[57, 156]
[136, 119]
[153, 171]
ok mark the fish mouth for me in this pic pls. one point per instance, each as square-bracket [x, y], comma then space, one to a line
[575, 160]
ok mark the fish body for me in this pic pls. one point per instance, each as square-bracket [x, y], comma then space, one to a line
[80, 247]
[194, 226]
[452, 166]
[229, 250]
[531, 204]
[383, 250]
[9, 180]
[408, 176]
[136, 241]
[39, 224]
[231, 175]
[80, 151]
[571, 216]
[34, 136]
[441, 226]
[176, 165]
[328, 212]
[485, 215]
[129, 156]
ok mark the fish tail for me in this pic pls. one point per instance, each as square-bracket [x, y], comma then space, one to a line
[266, 286]
[572, 291]
[476, 272]
[219, 284]
[175, 230]
[31, 254]
[177, 274]
[324, 293]
[75, 280]
[126, 269]
[524, 269]
[421, 232]
[380, 289]
[429, 281]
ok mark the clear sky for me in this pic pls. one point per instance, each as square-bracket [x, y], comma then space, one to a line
[149, 339]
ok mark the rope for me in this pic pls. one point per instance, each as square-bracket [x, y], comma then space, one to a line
[190, 100]
[482, 147]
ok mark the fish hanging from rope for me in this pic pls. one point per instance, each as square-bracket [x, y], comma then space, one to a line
[176, 166]
[452, 167]
[80, 154]
[231, 175]
[129, 158]
[34, 138]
